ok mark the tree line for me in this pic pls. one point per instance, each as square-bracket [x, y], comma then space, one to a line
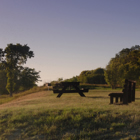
[125, 65]
[89, 76]
[13, 76]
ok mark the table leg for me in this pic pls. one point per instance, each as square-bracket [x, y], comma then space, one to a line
[59, 95]
[111, 100]
[116, 99]
[80, 92]
[121, 99]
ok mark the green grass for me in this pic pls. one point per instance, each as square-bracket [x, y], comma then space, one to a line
[70, 117]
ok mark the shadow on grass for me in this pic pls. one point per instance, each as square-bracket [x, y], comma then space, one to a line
[97, 97]
[137, 98]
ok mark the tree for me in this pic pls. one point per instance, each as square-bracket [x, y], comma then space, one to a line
[28, 78]
[12, 58]
[125, 65]
[111, 73]
[73, 79]
[60, 79]
[92, 76]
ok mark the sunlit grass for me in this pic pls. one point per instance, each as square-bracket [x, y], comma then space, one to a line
[70, 117]
[7, 98]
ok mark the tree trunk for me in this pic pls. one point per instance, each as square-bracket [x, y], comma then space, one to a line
[113, 87]
[11, 95]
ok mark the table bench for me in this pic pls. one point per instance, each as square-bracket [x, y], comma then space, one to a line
[127, 95]
[63, 88]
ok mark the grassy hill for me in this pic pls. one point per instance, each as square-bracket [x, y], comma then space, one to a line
[42, 116]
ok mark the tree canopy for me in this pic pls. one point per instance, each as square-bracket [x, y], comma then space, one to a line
[28, 78]
[90, 76]
[125, 65]
[12, 59]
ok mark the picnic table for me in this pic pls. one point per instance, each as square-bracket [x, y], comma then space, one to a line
[65, 87]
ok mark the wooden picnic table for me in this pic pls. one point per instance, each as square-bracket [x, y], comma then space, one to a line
[64, 88]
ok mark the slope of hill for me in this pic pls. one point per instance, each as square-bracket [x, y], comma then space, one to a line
[43, 116]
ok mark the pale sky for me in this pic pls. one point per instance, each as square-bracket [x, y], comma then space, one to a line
[69, 36]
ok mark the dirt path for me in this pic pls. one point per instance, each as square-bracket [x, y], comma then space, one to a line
[21, 100]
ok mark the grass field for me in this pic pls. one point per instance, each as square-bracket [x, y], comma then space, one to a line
[42, 116]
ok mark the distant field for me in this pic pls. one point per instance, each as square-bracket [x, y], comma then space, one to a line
[43, 116]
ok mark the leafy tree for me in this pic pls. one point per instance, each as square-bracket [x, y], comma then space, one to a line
[125, 65]
[60, 79]
[92, 76]
[111, 73]
[73, 79]
[28, 78]
[12, 58]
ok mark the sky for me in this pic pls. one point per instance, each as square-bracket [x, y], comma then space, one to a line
[70, 36]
